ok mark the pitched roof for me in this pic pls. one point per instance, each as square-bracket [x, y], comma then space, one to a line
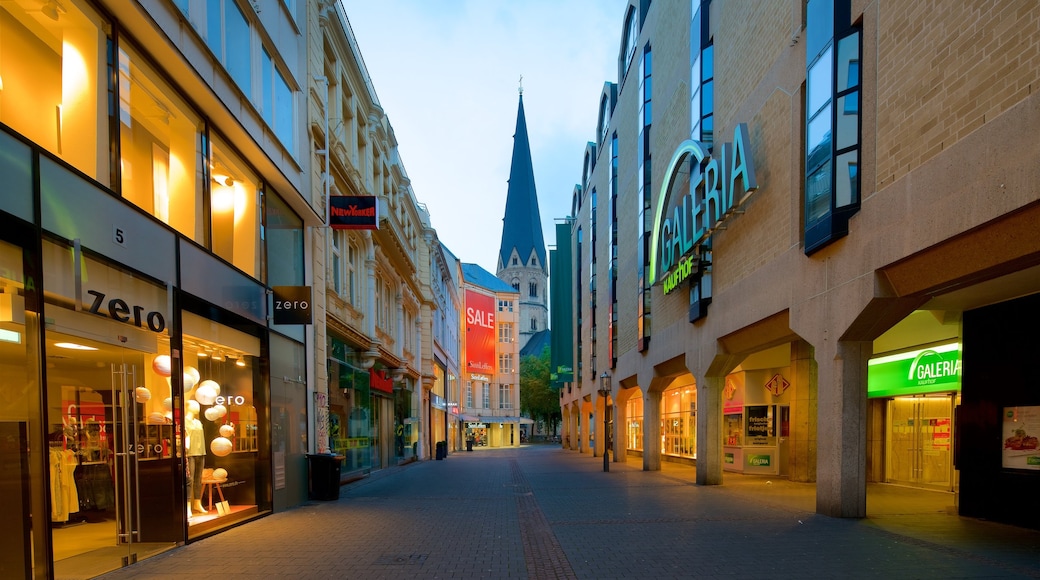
[474, 274]
[538, 342]
[522, 224]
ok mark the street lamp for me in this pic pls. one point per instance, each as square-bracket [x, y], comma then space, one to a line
[604, 391]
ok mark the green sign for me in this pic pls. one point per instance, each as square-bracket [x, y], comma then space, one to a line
[910, 373]
[758, 460]
[729, 458]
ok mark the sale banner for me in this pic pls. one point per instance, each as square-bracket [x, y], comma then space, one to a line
[480, 333]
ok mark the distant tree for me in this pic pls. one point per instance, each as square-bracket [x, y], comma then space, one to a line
[538, 399]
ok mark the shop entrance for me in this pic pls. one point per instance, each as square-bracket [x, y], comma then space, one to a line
[112, 452]
[919, 436]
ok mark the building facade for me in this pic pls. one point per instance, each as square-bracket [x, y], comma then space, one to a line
[805, 246]
[446, 286]
[156, 201]
[490, 405]
[376, 278]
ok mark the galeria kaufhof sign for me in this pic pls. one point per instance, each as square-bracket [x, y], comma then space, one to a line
[718, 186]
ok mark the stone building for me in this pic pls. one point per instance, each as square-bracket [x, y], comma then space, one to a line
[805, 245]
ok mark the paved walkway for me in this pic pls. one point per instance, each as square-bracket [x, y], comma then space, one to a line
[541, 512]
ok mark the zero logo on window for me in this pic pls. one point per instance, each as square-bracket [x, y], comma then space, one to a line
[119, 310]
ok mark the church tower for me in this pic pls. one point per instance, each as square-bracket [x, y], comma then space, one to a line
[521, 256]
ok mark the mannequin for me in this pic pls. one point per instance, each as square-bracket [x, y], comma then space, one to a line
[195, 452]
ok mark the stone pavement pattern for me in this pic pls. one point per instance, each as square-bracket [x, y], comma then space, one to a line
[541, 512]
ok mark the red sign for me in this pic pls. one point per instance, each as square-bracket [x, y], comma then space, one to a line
[380, 380]
[480, 332]
[353, 212]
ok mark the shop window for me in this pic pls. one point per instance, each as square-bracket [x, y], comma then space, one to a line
[679, 421]
[234, 197]
[53, 58]
[160, 144]
[223, 422]
[505, 396]
[634, 423]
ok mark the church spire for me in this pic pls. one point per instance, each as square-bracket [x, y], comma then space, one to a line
[522, 224]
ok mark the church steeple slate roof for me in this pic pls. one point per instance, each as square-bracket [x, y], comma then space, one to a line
[522, 224]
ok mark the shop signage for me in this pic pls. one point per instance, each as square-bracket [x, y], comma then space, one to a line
[759, 460]
[1021, 441]
[777, 385]
[476, 425]
[480, 332]
[380, 380]
[354, 212]
[119, 310]
[726, 181]
[920, 371]
[292, 304]
[437, 401]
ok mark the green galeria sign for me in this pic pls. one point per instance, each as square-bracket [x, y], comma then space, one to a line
[911, 373]
[711, 196]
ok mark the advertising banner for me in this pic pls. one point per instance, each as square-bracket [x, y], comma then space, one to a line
[1021, 438]
[921, 371]
[480, 332]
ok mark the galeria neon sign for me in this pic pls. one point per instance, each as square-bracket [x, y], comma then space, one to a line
[711, 199]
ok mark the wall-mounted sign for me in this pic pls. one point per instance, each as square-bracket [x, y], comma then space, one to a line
[480, 332]
[118, 309]
[354, 212]
[921, 371]
[724, 183]
[777, 385]
[292, 304]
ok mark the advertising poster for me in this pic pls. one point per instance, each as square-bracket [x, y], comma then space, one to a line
[1021, 438]
[480, 333]
[760, 426]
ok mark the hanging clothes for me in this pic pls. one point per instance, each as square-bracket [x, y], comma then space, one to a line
[64, 495]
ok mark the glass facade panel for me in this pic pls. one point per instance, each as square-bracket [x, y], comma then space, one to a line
[284, 233]
[820, 83]
[234, 197]
[634, 423]
[49, 81]
[160, 140]
[846, 185]
[848, 62]
[819, 25]
[678, 421]
[16, 167]
[848, 121]
[818, 193]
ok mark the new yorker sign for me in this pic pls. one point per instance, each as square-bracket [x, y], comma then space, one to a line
[723, 183]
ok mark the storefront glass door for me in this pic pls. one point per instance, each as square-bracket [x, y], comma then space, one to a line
[919, 441]
[111, 451]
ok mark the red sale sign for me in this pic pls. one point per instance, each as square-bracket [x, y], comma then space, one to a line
[480, 332]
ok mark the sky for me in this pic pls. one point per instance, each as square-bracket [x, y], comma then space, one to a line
[447, 74]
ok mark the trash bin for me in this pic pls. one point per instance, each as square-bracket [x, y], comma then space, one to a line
[469, 445]
[324, 470]
[442, 450]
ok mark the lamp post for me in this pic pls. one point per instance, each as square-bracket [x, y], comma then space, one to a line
[604, 391]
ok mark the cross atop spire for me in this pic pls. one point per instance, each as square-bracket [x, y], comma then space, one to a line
[521, 85]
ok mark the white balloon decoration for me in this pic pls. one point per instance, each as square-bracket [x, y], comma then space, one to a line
[221, 446]
[191, 377]
[161, 365]
[220, 474]
[156, 418]
[207, 391]
[142, 394]
[215, 412]
[193, 407]
[167, 403]
[227, 430]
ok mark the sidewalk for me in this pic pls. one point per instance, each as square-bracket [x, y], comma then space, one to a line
[541, 512]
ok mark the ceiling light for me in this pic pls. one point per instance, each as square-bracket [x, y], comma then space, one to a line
[73, 346]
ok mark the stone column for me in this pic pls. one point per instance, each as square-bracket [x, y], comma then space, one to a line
[620, 417]
[804, 413]
[841, 487]
[652, 431]
[709, 430]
